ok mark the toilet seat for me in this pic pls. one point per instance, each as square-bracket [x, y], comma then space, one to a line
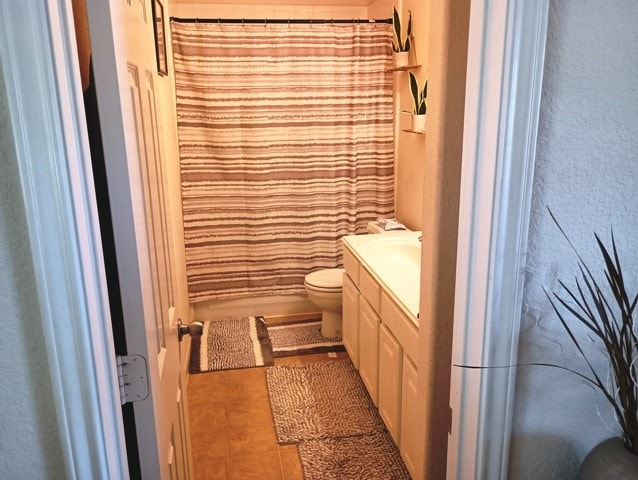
[326, 280]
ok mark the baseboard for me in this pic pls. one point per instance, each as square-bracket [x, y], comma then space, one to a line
[272, 306]
[291, 317]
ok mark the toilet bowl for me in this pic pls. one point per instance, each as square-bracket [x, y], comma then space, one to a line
[324, 290]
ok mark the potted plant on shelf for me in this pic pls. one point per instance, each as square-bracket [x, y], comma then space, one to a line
[419, 101]
[400, 46]
[607, 312]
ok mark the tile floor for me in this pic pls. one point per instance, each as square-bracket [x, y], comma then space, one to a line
[232, 432]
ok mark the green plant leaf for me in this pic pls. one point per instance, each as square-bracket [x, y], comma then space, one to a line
[396, 22]
[606, 309]
[407, 45]
[409, 31]
[414, 89]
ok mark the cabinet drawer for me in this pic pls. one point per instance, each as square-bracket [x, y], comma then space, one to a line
[370, 289]
[351, 264]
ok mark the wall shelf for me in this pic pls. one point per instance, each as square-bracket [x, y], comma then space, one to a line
[405, 68]
[418, 132]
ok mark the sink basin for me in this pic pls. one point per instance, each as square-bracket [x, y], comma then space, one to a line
[398, 250]
[395, 252]
[395, 260]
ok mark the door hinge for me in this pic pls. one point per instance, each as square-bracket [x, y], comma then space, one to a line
[132, 374]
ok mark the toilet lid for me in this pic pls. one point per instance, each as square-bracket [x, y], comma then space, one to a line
[329, 278]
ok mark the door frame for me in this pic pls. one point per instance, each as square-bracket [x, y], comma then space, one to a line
[47, 115]
[504, 78]
[43, 86]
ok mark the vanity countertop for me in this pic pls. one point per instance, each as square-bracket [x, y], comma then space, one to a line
[394, 259]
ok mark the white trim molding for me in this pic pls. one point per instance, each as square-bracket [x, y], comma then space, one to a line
[39, 64]
[504, 78]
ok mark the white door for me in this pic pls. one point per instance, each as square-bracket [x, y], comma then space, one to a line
[125, 69]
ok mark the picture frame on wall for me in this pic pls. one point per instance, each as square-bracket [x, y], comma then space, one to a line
[160, 37]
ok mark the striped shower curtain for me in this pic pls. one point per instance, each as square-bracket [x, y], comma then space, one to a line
[286, 145]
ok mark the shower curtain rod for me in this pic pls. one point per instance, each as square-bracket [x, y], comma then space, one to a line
[265, 21]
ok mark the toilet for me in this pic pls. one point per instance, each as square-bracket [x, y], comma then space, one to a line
[324, 290]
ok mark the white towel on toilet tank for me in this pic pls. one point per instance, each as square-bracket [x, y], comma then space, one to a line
[390, 224]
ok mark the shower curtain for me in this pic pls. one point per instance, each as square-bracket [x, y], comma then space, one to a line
[286, 144]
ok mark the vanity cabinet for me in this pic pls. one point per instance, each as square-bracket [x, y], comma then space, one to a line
[411, 439]
[369, 348]
[382, 342]
[350, 324]
[390, 376]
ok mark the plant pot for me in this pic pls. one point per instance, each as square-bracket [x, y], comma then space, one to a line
[418, 123]
[401, 59]
[609, 460]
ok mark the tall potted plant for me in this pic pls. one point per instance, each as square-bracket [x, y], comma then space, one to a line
[400, 46]
[607, 312]
[419, 96]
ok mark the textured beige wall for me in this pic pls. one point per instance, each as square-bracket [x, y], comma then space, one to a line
[447, 59]
[585, 171]
[380, 9]
[410, 148]
[271, 9]
[362, 3]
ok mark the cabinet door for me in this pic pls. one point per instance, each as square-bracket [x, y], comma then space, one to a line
[368, 347]
[350, 327]
[390, 359]
[411, 440]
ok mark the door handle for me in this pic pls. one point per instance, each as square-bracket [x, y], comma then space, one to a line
[193, 329]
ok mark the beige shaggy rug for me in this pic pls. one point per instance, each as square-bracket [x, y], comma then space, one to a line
[301, 338]
[307, 401]
[231, 343]
[242, 342]
[373, 456]
[325, 409]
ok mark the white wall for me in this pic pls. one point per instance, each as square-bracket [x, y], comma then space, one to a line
[265, 9]
[587, 173]
[29, 439]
